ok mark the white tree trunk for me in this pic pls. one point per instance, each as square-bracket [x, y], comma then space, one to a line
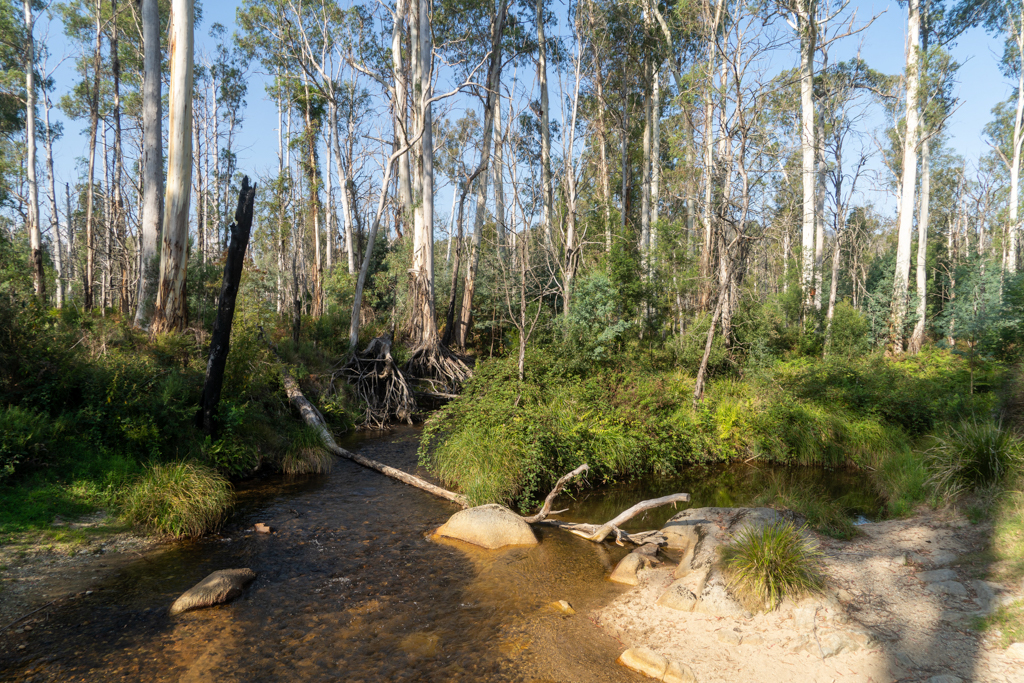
[917, 338]
[545, 125]
[34, 236]
[152, 156]
[424, 322]
[1018, 139]
[807, 27]
[58, 257]
[908, 184]
[171, 307]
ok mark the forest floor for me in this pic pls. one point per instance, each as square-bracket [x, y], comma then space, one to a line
[40, 568]
[887, 617]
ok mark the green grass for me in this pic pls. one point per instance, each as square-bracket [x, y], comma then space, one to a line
[971, 454]
[306, 454]
[179, 499]
[824, 513]
[901, 479]
[1008, 619]
[773, 562]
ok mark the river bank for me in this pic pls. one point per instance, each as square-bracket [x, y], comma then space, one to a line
[901, 602]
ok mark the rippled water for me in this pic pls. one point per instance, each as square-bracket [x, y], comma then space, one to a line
[351, 588]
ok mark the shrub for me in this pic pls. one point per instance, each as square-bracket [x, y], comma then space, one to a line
[179, 499]
[774, 561]
[972, 454]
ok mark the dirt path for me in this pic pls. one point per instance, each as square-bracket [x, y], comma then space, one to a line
[901, 600]
[36, 570]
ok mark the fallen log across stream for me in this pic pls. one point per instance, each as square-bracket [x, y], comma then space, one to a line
[592, 532]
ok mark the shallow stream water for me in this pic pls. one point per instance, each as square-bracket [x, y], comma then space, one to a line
[350, 587]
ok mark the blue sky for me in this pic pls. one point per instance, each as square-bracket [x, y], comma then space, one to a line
[980, 87]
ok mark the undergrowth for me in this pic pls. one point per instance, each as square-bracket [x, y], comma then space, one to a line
[177, 499]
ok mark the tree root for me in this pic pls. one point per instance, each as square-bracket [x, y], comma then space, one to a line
[380, 384]
[439, 369]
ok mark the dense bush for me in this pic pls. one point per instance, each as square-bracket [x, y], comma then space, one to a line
[972, 454]
[179, 499]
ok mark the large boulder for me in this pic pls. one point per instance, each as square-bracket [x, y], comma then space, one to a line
[221, 586]
[699, 534]
[489, 526]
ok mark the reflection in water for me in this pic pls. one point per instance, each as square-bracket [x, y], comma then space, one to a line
[350, 587]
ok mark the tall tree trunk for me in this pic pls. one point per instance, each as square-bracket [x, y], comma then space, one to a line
[424, 321]
[807, 26]
[819, 218]
[901, 277]
[120, 227]
[493, 89]
[171, 310]
[645, 197]
[545, 125]
[498, 174]
[58, 257]
[220, 339]
[344, 180]
[313, 173]
[152, 157]
[401, 106]
[94, 115]
[655, 155]
[605, 171]
[34, 235]
[917, 338]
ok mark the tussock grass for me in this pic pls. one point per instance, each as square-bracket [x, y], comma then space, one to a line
[482, 462]
[179, 499]
[972, 454]
[306, 454]
[773, 562]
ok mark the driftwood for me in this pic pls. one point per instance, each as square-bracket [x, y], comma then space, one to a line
[546, 509]
[598, 533]
[380, 384]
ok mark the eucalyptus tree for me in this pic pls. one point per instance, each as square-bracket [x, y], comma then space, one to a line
[171, 310]
[152, 157]
[29, 68]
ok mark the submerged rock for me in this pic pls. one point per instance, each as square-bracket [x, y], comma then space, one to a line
[489, 526]
[219, 587]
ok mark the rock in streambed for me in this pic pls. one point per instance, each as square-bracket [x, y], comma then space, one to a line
[219, 587]
[489, 526]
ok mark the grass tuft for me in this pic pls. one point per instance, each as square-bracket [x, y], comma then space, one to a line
[179, 499]
[970, 455]
[772, 562]
[306, 454]
[825, 514]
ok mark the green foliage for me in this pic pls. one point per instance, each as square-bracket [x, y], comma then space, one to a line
[773, 562]
[970, 455]
[178, 499]
[850, 331]
[306, 454]
[825, 513]
[901, 478]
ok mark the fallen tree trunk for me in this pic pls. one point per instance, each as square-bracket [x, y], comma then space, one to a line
[312, 417]
[592, 532]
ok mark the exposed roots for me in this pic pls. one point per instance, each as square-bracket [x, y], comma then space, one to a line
[439, 371]
[380, 384]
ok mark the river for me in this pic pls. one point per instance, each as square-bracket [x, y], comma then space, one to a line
[351, 587]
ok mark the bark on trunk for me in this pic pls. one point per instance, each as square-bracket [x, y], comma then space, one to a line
[171, 307]
[220, 340]
[94, 115]
[807, 27]
[34, 235]
[545, 125]
[58, 257]
[152, 158]
[917, 338]
[908, 184]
